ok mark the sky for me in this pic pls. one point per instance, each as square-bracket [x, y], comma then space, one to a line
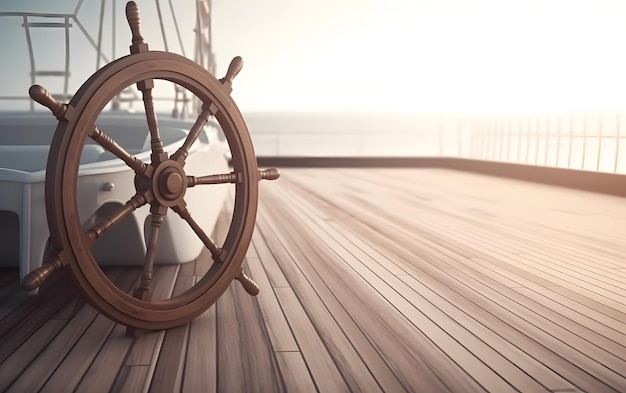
[411, 56]
[444, 55]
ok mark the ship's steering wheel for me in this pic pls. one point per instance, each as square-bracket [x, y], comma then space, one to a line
[162, 184]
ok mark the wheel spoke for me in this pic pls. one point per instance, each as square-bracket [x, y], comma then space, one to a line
[248, 284]
[235, 66]
[35, 278]
[156, 143]
[184, 213]
[269, 174]
[233, 177]
[214, 179]
[112, 146]
[43, 96]
[156, 220]
[110, 221]
[203, 117]
[138, 45]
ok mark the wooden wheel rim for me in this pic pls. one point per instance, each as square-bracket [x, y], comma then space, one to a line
[61, 187]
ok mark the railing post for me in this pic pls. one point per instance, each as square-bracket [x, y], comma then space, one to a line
[617, 142]
[459, 142]
[582, 166]
[547, 137]
[558, 140]
[571, 141]
[599, 141]
[528, 140]
[501, 133]
[440, 137]
[537, 139]
[493, 134]
[472, 139]
[509, 131]
[519, 139]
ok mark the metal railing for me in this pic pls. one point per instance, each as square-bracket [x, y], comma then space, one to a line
[67, 21]
[590, 142]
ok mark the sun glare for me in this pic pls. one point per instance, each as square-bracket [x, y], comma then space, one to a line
[479, 56]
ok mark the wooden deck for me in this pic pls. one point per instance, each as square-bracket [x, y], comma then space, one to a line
[388, 280]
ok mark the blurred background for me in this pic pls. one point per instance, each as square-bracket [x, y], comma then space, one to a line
[533, 82]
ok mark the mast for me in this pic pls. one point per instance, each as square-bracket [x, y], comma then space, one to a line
[204, 47]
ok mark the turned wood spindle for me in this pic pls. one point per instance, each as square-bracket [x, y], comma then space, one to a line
[234, 68]
[248, 284]
[134, 21]
[43, 97]
[35, 278]
[193, 181]
[269, 174]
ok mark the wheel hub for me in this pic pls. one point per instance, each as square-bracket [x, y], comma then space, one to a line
[169, 183]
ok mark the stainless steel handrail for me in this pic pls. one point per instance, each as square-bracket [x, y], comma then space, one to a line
[66, 20]
[590, 148]
[566, 141]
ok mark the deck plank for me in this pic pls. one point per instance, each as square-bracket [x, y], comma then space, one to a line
[321, 366]
[70, 372]
[131, 379]
[617, 337]
[468, 340]
[341, 334]
[539, 272]
[385, 288]
[44, 365]
[275, 275]
[102, 372]
[280, 335]
[140, 361]
[295, 373]
[19, 360]
[20, 324]
[361, 213]
[11, 294]
[246, 362]
[371, 280]
[54, 352]
[401, 358]
[170, 364]
[544, 333]
[201, 356]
